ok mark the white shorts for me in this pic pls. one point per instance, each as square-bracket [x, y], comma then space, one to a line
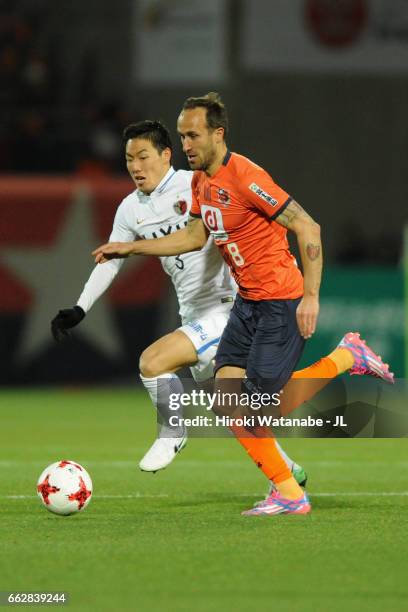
[205, 334]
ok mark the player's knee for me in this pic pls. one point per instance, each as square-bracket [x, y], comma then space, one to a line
[150, 364]
[147, 365]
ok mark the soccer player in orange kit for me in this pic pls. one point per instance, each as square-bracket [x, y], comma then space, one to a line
[276, 309]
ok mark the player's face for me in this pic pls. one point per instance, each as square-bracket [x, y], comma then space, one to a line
[199, 142]
[146, 165]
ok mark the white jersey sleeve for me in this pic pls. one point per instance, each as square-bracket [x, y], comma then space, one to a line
[103, 274]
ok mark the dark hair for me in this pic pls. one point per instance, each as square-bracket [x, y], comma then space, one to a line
[154, 131]
[216, 111]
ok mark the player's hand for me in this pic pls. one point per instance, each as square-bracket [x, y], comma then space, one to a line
[113, 250]
[306, 315]
[64, 320]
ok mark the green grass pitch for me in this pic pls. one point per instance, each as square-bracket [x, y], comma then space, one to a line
[176, 541]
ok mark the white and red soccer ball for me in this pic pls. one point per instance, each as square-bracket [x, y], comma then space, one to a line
[65, 487]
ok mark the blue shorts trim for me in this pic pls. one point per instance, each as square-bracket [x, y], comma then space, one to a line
[206, 346]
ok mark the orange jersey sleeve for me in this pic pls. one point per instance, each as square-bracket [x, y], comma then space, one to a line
[195, 210]
[262, 193]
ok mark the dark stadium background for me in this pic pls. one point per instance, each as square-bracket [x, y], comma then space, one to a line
[73, 74]
[317, 92]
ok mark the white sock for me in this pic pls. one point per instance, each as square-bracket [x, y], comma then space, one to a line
[159, 388]
[289, 462]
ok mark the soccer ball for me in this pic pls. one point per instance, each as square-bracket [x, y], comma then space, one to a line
[65, 487]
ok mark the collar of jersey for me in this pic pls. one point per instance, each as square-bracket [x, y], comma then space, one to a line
[160, 187]
[225, 161]
[226, 158]
[166, 179]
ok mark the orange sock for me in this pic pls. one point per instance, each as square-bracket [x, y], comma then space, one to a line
[263, 450]
[265, 453]
[309, 381]
[324, 368]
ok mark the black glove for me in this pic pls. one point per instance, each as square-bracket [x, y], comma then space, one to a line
[64, 320]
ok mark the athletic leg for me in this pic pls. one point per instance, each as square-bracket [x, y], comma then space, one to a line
[351, 355]
[158, 364]
[231, 362]
[275, 350]
[192, 345]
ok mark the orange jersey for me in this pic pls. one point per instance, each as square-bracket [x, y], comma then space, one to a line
[238, 206]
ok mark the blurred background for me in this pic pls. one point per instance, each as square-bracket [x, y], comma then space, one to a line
[317, 93]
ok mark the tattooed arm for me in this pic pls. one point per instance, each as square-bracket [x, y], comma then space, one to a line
[307, 233]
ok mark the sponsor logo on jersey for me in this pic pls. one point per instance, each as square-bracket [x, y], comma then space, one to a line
[262, 194]
[212, 218]
[164, 231]
[180, 207]
[223, 197]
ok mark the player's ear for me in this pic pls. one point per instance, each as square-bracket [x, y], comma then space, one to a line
[219, 134]
[167, 154]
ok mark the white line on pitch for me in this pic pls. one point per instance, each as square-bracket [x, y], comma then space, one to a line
[362, 494]
[335, 494]
[134, 496]
[185, 463]
[146, 495]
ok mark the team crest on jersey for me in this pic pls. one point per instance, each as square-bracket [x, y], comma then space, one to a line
[180, 207]
[262, 194]
[223, 197]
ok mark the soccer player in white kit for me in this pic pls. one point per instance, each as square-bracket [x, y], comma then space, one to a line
[205, 290]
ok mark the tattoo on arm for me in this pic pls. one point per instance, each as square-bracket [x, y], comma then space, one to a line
[291, 212]
[313, 251]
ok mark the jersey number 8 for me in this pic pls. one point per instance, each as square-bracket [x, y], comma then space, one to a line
[235, 254]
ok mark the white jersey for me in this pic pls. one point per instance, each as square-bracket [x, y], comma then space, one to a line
[201, 278]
